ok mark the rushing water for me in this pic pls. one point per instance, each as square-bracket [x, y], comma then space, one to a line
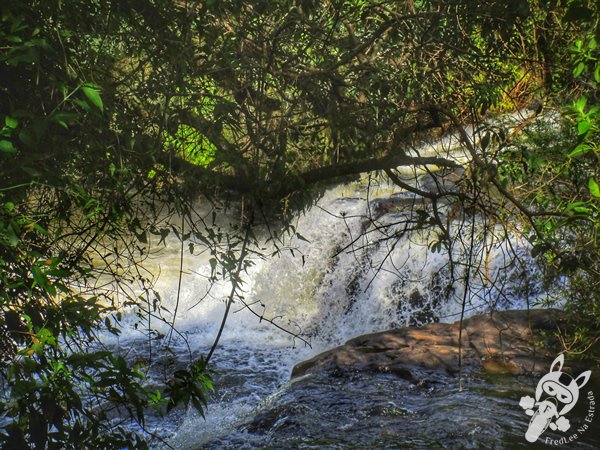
[334, 283]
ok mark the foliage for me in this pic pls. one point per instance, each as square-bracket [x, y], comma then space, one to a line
[553, 170]
[116, 114]
[191, 145]
[71, 177]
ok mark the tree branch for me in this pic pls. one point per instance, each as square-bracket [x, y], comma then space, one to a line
[242, 184]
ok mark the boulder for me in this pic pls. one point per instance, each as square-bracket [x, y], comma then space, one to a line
[503, 342]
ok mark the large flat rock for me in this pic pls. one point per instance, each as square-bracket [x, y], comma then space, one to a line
[504, 342]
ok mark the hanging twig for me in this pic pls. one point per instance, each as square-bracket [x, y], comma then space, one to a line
[234, 285]
[179, 281]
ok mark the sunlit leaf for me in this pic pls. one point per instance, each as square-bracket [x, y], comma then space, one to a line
[93, 95]
[581, 149]
[579, 104]
[594, 188]
[583, 127]
[579, 68]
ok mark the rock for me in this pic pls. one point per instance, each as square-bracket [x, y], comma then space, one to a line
[442, 181]
[421, 308]
[397, 203]
[503, 342]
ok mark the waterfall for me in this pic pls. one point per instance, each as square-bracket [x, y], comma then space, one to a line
[353, 270]
[346, 275]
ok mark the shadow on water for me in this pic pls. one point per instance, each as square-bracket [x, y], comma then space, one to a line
[379, 410]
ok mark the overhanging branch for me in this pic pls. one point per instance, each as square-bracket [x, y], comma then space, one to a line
[242, 184]
[370, 165]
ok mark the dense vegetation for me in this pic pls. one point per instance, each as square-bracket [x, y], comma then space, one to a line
[116, 115]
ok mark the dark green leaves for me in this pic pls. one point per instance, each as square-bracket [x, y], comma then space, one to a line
[190, 386]
[6, 133]
[578, 11]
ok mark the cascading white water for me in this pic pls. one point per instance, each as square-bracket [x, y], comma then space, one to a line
[340, 283]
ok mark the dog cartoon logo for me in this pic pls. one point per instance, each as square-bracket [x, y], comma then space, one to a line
[555, 395]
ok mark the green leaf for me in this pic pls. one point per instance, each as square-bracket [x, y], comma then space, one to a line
[579, 104]
[582, 209]
[13, 239]
[578, 207]
[579, 68]
[7, 147]
[83, 104]
[27, 138]
[11, 122]
[594, 188]
[581, 149]
[64, 118]
[583, 127]
[39, 277]
[46, 337]
[570, 206]
[93, 94]
[40, 229]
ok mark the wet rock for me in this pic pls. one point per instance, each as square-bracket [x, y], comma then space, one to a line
[266, 420]
[395, 203]
[422, 305]
[381, 208]
[422, 309]
[504, 342]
